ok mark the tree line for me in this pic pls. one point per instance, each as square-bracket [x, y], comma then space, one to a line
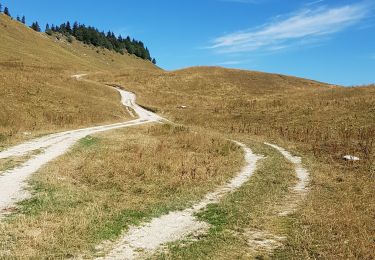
[7, 12]
[92, 36]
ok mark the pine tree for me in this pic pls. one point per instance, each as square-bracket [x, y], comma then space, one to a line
[47, 28]
[154, 61]
[75, 28]
[18, 19]
[68, 27]
[23, 20]
[35, 26]
[6, 11]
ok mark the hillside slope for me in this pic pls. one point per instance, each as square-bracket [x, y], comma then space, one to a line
[320, 122]
[238, 101]
[314, 120]
[37, 93]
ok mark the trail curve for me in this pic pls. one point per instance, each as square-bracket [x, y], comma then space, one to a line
[13, 182]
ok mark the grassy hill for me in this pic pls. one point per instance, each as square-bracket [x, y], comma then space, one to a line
[321, 122]
[37, 93]
[316, 114]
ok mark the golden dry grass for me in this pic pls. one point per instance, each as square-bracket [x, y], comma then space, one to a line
[37, 94]
[110, 181]
[318, 121]
[329, 120]
[337, 219]
[38, 100]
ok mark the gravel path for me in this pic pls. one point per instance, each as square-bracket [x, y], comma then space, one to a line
[299, 190]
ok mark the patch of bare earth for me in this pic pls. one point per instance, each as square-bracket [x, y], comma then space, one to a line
[262, 241]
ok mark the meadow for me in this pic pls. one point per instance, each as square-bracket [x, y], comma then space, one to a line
[317, 121]
[110, 181]
[79, 199]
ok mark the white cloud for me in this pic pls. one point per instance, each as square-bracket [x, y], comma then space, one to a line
[243, 1]
[311, 24]
[231, 62]
[314, 2]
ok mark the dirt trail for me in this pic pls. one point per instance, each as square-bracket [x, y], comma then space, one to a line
[300, 190]
[12, 182]
[144, 240]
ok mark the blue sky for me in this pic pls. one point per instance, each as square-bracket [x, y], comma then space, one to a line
[326, 40]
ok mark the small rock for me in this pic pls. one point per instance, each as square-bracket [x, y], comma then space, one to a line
[182, 106]
[26, 133]
[350, 158]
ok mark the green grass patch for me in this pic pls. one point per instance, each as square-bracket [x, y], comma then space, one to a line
[215, 215]
[88, 141]
[12, 162]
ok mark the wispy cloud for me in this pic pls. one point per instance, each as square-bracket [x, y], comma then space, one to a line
[314, 2]
[232, 62]
[244, 1]
[303, 26]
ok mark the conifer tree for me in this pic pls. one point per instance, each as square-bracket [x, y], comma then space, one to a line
[18, 19]
[75, 28]
[68, 27]
[35, 26]
[154, 61]
[91, 35]
[6, 11]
